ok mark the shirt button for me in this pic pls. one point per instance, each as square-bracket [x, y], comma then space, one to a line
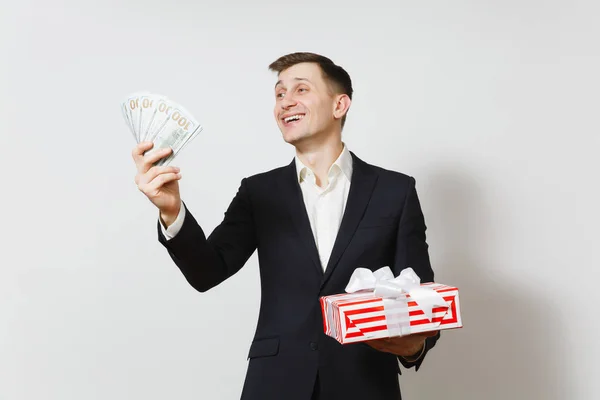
[314, 346]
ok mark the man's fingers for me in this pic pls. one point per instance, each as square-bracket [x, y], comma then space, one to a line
[138, 156]
[150, 181]
[375, 345]
[421, 335]
[150, 158]
[139, 150]
[395, 340]
[160, 180]
[429, 334]
[378, 344]
[145, 157]
[155, 155]
[156, 171]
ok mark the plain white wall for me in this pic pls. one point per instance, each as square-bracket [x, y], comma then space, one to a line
[491, 106]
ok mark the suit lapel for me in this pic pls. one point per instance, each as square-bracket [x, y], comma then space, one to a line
[292, 195]
[361, 187]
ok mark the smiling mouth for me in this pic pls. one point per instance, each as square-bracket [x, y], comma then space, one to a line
[292, 119]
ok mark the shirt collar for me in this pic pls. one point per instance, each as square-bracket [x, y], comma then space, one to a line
[343, 162]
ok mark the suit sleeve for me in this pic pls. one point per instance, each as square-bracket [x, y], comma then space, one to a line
[412, 251]
[207, 261]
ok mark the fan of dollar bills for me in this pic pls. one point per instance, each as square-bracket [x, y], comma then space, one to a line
[156, 118]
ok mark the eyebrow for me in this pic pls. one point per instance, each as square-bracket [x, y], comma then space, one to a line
[296, 79]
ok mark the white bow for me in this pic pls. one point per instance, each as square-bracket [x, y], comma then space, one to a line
[383, 284]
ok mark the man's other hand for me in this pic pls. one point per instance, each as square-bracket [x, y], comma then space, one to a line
[405, 346]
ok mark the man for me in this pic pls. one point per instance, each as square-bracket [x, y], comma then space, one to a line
[313, 222]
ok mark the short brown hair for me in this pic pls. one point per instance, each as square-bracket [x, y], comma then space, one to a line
[336, 76]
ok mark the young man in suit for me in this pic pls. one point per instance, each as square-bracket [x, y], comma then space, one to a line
[313, 222]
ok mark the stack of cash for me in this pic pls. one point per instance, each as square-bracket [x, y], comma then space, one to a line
[155, 118]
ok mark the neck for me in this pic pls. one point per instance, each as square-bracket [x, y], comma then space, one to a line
[320, 156]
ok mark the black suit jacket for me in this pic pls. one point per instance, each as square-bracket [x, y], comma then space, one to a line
[382, 226]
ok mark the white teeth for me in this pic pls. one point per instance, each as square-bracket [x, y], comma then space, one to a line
[293, 118]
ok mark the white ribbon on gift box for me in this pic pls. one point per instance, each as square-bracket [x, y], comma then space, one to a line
[393, 290]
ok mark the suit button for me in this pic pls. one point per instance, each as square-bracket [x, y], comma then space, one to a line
[314, 346]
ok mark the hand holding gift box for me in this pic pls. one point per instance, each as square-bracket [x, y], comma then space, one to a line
[378, 305]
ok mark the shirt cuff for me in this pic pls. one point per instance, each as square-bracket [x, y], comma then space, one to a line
[171, 231]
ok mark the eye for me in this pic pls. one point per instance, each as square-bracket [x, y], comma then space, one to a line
[279, 95]
[302, 89]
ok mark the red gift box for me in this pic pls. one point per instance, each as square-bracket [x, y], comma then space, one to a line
[378, 312]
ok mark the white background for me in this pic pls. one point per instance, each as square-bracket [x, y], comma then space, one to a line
[491, 106]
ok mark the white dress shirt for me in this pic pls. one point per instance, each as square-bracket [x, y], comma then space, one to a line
[324, 206]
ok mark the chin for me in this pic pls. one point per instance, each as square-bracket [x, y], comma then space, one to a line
[292, 137]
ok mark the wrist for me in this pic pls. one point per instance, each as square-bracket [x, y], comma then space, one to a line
[167, 217]
[417, 354]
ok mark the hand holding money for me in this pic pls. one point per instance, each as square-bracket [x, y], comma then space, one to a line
[159, 183]
[162, 128]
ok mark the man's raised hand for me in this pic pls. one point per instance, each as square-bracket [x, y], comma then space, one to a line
[159, 184]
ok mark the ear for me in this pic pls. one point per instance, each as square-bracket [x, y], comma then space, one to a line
[341, 105]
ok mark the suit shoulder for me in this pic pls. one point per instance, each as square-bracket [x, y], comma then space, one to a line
[391, 175]
[265, 176]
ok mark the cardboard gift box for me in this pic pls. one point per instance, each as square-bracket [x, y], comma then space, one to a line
[378, 305]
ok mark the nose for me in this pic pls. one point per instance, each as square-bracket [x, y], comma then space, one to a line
[286, 102]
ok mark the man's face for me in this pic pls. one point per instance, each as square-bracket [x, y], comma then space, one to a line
[304, 105]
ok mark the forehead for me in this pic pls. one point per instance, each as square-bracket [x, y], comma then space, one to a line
[309, 71]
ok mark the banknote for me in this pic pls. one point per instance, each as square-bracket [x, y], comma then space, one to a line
[147, 111]
[178, 147]
[134, 112]
[175, 133]
[162, 112]
[128, 119]
[156, 118]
